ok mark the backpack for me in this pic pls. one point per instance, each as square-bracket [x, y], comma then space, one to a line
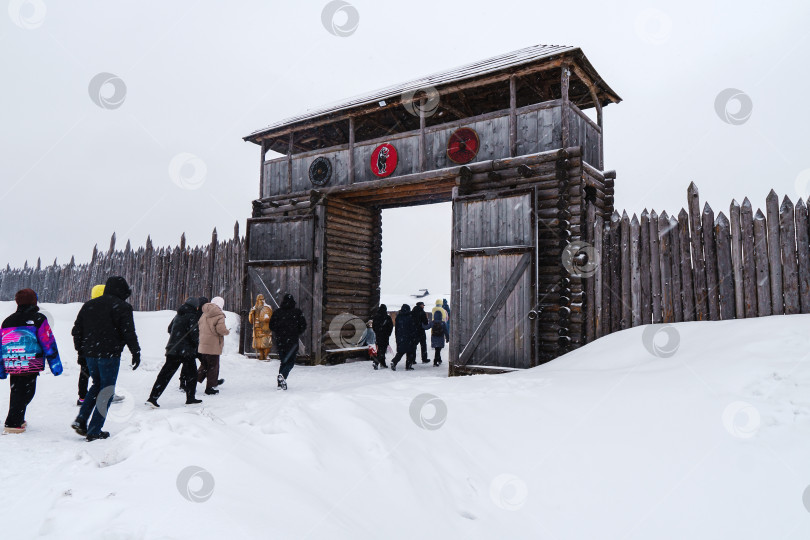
[437, 329]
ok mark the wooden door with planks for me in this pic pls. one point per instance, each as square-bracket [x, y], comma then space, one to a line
[494, 251]
[280, 260]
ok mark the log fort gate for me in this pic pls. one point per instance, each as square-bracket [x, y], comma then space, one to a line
[505, 139]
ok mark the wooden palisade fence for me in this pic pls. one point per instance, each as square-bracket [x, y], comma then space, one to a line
[697, 266]
[160, 278]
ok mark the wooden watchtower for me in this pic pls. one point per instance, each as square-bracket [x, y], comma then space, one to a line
[505, 139]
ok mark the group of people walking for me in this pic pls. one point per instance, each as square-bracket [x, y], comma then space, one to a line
[410, 333]
[103, 327]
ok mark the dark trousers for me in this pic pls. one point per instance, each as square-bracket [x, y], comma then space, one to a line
[104, 374]
[84, 378]
[209, 369]
[188, 376]
[23, 388]
[382, 349]
[437, 357]
[286, 355]
[423, 344]
[410, 357]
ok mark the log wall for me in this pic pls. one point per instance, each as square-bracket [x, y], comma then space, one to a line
[699, 265]
[160, 278]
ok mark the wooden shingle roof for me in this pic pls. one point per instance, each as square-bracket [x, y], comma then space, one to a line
[538, 54]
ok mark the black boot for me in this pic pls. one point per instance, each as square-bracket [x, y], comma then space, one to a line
[101, 435]
[80, 426]
[211, 391]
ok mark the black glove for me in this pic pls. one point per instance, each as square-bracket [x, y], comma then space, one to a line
[136, 360]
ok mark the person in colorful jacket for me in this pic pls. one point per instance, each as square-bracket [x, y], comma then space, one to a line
[27, 341]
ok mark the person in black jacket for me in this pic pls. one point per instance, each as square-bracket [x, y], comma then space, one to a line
[383, 326]
[287, 323]
[184, 338]
[102, 328]
[420, 319]
[407, 338]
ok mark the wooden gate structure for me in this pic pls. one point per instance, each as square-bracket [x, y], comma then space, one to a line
[505, 139]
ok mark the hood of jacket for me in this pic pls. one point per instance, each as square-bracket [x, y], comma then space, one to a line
[96, 291]
[211, 310]
[437, 316]
[27, 308]
[382, 310]
[118, 287]
[288, 302]
[192, 305]
[405, 309]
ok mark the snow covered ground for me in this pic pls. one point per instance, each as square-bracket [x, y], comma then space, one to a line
[609, 442]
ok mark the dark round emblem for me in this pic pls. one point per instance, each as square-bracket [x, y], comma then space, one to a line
[462, 146]
[320, 171]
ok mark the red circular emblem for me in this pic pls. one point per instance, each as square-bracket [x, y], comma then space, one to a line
[384, 160]
[462, 146]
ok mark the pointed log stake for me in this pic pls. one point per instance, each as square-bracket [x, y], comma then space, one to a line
[762, 267]
[635, 273]
[112, 245]
[803, 255]
[39, 263]
[736, 258]
[699, 271]
[790, 265]
[687, 278]
[710, 255]
[774, 258]
[644, 264]
[725, 272]
[655, 269]
[236, 231]
[748, 259]
[183, 242]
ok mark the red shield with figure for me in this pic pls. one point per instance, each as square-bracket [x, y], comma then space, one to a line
[384, 160]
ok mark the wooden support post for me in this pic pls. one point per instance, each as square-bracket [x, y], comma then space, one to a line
[351, 150]
[513, 116]
[262, 155]
[290, 150]
[565, 112]
[422, 123]
[737, 259]
[774, 257]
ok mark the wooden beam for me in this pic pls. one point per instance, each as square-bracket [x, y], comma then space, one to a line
[263, 154]
[495, 308]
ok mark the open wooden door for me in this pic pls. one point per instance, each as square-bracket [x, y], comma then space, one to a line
[493, 280]
[280, 260]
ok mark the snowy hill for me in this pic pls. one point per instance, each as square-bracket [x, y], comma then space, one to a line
[611, 441]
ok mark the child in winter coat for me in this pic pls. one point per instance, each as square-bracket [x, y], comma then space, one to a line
[27, 342]
[439, 335]
[212, 341]
[370, 338]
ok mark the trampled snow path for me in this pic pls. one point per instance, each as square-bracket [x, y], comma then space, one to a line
[607, 442]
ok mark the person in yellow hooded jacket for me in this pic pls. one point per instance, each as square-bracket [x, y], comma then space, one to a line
[84, 373]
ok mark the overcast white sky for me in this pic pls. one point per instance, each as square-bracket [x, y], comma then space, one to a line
[200, 75]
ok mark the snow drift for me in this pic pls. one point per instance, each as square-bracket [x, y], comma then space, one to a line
[706, 436]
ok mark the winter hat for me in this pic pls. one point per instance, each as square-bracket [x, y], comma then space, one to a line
[420, 304]
[26, 297]
[96, 291]
[218, 301]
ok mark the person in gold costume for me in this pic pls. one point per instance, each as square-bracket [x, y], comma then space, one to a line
[259, 317]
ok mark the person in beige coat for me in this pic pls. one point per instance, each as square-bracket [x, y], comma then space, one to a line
[212, 340]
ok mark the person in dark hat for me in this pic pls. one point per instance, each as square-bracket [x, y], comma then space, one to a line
[103, 327]
[383, 327]
[407, 338]
[27, 343]
[287, 324]
[184, 338]
[420, 319]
